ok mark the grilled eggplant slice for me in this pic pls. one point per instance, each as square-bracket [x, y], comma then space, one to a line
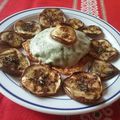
[11, 39]
[103, 50]
[93, 31]
[84, 87]
[13, 62]
[27, 29]
[104, 69]
[68, 71]
[41, 80]
[64, 34]
[75, 23]
[50, 17]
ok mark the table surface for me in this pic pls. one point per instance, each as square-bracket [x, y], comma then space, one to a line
[105, 9]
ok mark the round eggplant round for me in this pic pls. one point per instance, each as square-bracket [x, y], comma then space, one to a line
[13, 62]
[83, 87]
[102, 49]
[41, 80]
[11, 38]
[104, 69]
[93, 31]
[64, 34]
[75, 23]
[50, 17]
[27, 29]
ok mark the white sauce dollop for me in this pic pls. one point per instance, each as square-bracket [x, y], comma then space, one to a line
[53, 52]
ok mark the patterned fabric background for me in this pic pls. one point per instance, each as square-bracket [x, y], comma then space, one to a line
[105, 9]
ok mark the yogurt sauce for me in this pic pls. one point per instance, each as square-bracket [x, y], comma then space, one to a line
[53, 52]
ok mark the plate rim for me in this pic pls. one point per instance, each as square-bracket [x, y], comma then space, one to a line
[59, 113]
[71, 9]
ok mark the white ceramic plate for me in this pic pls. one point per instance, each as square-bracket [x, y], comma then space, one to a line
[61, 105]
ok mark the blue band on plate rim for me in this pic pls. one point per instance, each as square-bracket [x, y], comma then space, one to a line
[23, 100]
[90, 106]
[62, 98]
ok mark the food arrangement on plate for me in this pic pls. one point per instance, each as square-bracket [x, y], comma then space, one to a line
[61, 53]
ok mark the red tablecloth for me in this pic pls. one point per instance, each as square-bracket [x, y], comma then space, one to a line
[105, 9]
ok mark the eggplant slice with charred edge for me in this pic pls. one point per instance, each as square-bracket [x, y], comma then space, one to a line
[11, 38]
[93, 31]
[27, 29]
[103, 50]
[41, 80]
[50, 17]
[13, 62]
[104, 69]
[75, 23]
[83, 87]
[64, 34]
